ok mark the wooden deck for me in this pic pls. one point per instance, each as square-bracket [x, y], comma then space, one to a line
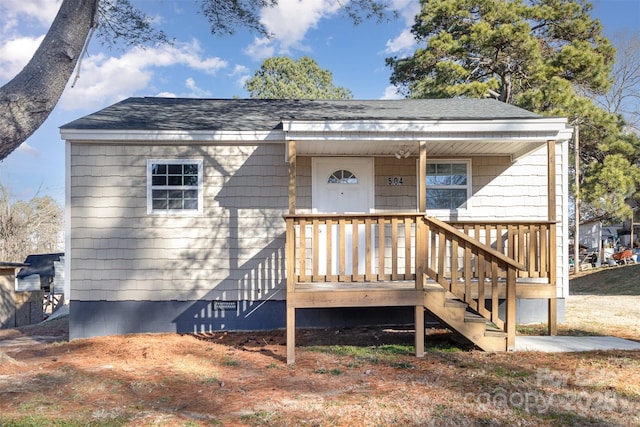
[459, 273]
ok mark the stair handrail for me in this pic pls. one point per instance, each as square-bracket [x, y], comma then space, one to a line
[485, 248]
[510, 265]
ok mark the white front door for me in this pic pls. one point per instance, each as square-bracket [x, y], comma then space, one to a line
[342, 185]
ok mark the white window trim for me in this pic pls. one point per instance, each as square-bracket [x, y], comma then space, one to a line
[469, 185]
[194, 212]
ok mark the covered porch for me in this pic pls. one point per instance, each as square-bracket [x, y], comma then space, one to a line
[460, 271]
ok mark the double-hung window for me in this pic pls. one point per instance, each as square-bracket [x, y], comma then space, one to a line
[448, 184]
[174, 186]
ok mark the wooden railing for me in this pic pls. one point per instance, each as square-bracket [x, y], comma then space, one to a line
[354, 247]
[478, 263]
[452, 255]
[530, 243]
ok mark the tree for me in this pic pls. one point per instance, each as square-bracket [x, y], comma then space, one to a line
[282, 77]
[28, 227]
[548, 56]
[623, 97]
[28, 99]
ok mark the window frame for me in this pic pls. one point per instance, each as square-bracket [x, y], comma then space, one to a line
[468, 187]
[151, 187]
[351, 180]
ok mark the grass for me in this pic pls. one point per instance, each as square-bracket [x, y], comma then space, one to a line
[621, 280]
[186, 382]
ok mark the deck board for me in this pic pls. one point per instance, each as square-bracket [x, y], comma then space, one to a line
[355, 294]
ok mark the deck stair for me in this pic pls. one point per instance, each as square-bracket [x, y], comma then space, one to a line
[459, 317]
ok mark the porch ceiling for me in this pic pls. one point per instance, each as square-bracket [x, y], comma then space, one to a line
[407, 148]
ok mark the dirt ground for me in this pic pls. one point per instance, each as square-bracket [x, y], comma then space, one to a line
[358, 377]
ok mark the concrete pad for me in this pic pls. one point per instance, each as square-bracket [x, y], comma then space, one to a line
[559, 344]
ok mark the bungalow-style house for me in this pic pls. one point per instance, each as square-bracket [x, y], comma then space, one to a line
[196, 215]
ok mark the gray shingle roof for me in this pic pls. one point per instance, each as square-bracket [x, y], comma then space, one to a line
[266, 114]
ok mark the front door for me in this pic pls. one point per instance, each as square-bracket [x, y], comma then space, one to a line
[342, 185]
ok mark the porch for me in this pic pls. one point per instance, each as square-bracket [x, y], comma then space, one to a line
[458, 272]
[463, 273]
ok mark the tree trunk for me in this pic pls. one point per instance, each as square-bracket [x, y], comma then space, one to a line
[28, 99]
[505, 90]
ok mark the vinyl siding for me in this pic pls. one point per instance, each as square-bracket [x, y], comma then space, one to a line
[233, 251]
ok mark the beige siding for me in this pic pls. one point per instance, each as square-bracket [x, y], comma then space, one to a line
[303, 181]
[396, 197]
[509, 190]
[233, 251]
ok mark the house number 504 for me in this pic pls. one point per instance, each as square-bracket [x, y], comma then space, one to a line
[395, 180]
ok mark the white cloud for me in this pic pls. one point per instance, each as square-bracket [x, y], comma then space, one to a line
[408, 9]
[240, 81]
[242, 74]
[240, 69]
[404, 42]
[166, 95]
[288, 22]
[14, 11]
[298, 17]
[196, 92]
[15, 54]
[301, 16]
[108, 79]
[28, 149]
[391, 92]
[260, 49]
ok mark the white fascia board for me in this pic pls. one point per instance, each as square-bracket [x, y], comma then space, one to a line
[437, 137]
[552, 127]
[171, 136]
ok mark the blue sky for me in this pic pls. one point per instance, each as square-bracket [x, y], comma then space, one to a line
[202, 65]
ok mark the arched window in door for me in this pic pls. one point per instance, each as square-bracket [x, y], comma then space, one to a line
[342, 176]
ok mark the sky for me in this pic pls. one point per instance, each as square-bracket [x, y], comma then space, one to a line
[205, 66]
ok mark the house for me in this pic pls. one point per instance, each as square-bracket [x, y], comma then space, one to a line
[193, 215]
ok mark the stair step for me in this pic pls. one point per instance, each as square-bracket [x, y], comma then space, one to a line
[455, 303]
[431, 287]
[472, 317]
[494, 333]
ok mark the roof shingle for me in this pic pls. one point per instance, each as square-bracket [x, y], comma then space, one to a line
[191, 114]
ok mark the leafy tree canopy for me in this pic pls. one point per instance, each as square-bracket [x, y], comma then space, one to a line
[548, 56]
[282, 77]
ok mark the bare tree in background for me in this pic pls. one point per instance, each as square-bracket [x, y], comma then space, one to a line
[28, 227]
[624, 96]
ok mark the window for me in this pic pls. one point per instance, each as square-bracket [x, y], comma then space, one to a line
[448, 185]
[174, 186]
[342, 176]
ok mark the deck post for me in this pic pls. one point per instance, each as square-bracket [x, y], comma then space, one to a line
[290, 255]
[419, 318]
[421, 270]
[551, 177]
[422, 178]
[421, 247]
[291, 157]
[510, 317]
[291, 335]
